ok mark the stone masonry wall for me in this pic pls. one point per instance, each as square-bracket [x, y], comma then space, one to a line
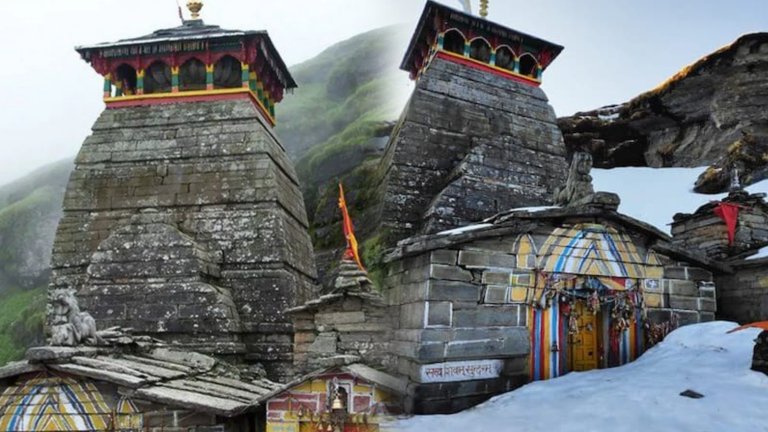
[469, 144]
[743, 296]
[436, 299]
[685, 291]
[219, 177]
[454, 304]
[347, 327]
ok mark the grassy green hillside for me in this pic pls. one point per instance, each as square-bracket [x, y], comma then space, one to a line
[30, 209]
[337, 124]
[22, 313]
[347, 86]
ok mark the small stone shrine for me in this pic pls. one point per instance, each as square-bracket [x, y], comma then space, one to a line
[535, 293]
[348, 324]
[352, 398]
[183, 218]
[733, 230]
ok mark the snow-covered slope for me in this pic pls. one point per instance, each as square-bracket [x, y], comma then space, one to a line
[642, 396]
[654, 195]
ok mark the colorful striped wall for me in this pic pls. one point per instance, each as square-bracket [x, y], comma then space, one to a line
[572, 263]
[51, 403]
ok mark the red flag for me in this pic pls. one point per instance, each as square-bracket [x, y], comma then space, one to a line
[729, 213]
[349, 231]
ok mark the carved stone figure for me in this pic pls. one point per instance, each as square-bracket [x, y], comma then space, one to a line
[579, 183]
[70, 327]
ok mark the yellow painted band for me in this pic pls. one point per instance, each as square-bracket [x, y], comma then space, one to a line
[496, 68]
[192, 93]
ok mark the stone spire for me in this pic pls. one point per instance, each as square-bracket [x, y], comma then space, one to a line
[350, 278]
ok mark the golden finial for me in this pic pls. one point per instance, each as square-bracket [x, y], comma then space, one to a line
[195, 6]
[484, 8]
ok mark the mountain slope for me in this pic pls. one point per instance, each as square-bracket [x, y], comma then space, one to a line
[30, 209]
[349, 83]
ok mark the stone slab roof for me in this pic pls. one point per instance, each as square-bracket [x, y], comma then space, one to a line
[160, 375]
[197, 30]
[432, 8]
[518, 221]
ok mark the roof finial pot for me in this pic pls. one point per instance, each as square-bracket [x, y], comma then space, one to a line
[195, 6]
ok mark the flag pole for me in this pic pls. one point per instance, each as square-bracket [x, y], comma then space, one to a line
[352, 251]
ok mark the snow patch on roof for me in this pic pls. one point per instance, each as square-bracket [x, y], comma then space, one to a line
[465, 229]
[763, 253]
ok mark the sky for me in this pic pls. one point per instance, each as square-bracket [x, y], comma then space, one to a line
[614, 50]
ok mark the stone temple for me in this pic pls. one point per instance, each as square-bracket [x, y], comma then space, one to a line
[183, 219]
[478, 135]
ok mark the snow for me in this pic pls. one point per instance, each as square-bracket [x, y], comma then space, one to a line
[465, 229]
[641, 396]
[654, 195]
[532, 209]
[762, 253]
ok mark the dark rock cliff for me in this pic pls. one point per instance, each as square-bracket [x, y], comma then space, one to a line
[690, 120]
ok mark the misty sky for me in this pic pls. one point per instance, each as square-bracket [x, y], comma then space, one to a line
[614, 50]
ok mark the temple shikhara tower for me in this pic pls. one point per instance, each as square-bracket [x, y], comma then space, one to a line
[183, 218]
[478, 135]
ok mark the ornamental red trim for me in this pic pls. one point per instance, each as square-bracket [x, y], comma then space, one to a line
[488, 68]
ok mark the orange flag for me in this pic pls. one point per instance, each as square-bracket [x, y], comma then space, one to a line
[349, 231]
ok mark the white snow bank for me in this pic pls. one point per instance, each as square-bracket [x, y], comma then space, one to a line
[641, 396]
[654, 195]
[762, 253]
[464, 229]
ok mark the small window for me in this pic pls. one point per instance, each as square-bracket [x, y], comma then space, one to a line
[454, 42]
[125, 75]
[528, 65]
[192, 75]
[158, 78]
[228, 73]
[480, 50]
[505, 58]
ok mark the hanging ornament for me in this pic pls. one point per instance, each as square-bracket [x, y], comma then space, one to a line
[593, 303]
[573, 325]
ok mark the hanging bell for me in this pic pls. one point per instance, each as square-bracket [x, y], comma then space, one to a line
[336, 404]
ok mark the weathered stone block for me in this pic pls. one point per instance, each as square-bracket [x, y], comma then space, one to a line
[339, 318]
[453, 291]
[681, 287]
[324, 343]
[707, 305]
[444, 256]
[451, 273]
[686, 303]
[487, 316]
[478, 259]
[439, 314]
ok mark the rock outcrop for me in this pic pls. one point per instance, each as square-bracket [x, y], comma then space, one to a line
[690, 120]
[744, 163]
